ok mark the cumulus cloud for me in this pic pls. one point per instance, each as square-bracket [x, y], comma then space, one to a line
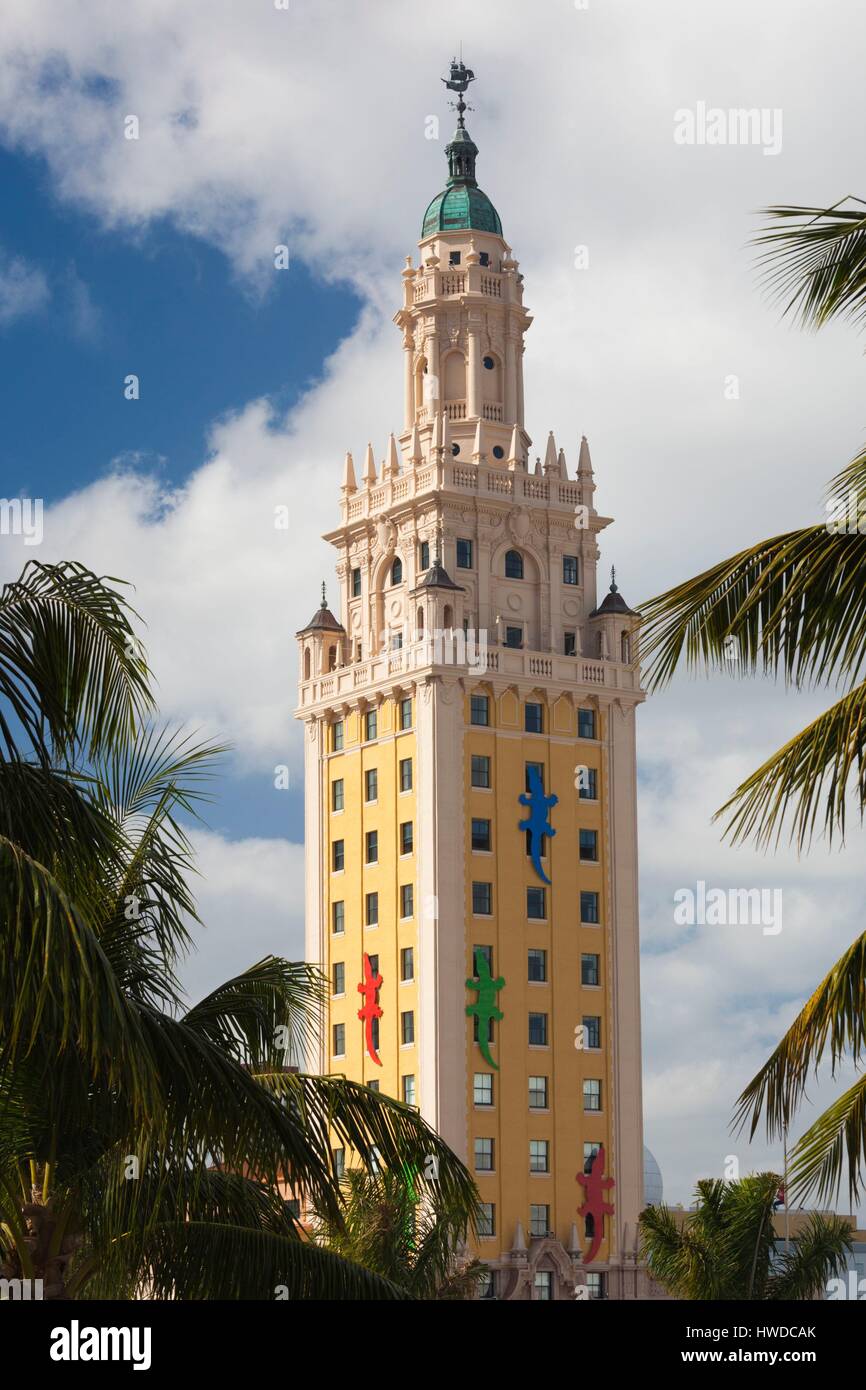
[23, 289]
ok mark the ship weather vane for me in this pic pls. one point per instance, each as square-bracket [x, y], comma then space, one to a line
[458, 82]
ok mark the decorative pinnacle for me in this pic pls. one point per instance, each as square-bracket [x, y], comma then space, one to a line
[613, 579]
[324, 599]
[458, 82]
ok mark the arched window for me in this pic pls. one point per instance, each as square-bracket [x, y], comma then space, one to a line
[449, 620]
[397, 572]
[332, 658]
[625, 646]
[307, 664]
[420, 622]
[513, 565]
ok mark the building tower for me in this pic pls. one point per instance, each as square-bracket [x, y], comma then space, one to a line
[471, 848]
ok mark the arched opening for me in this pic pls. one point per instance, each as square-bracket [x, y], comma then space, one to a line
[454, 379]
[513, 564]
[419, 622]
[449, 617]
[307, 664]
[397, 572]
[625, 649]
[332, 658]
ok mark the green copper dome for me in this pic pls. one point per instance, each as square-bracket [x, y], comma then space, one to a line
[458, 208]
[461, 206]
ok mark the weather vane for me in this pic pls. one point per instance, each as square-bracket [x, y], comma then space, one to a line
[458, 82]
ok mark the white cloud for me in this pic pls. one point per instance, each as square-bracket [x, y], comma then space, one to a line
[23, 289]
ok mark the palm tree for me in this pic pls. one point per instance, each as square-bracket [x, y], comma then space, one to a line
[392, 1224]
[144, 1144]
[796, 605]
[726, 1247]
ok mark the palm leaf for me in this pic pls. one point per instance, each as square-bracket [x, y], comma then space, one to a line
[815, 261]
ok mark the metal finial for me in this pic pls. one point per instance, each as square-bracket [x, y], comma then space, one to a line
[324, 599]
[613, 579]
[458, 82]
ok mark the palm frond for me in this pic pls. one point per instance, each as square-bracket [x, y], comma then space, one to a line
[815, 261]
[834, 1143]
[819, 1252]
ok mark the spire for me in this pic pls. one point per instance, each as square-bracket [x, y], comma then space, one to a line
[436, 441]
[550, 461]
[349, 484]
[584, 462]
[393, 459]
[537, 466]
[514, 449]
[415, 454]
[446, 435]
[519, 1245]
[563, 471]
[369, 475]
[324, 596]
[462, 150]
[477, 454]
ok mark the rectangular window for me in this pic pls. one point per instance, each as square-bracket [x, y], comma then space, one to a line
[372, 844]
[539, 1156]
[586, 723]
[538, 1030]
[482, 1089]
[487, 1219]
[591, 1094]
[514, 637]
[589, 908]
[409, 1090]
[424, 556]
[407, 963]
[406, 837]
[589, 972]
[476, 1030]
[484, 258]
[464, 555]
[534, 767]
[484, 953]
[407, 1027]
[374, 1028]
[480, 770]
[569, 643]
[371, 724]
[542, 848]
[356, 583]
[338, 856]
[481, 834]
[592, 1036]
[537, 966]
[589, 792]
[371, 784]
[595, 1284]
[371, 910]
[374, 1086]
[336, 736]
[339, 1048]
[337, 795]
[589, 1153]
[589, 846]
[533, 717]
[406, 713]
[542, 1285]
[536, 904]
[569, 569]
[539, 1218]
[338, 918]
[407, 900]
[484, 1155]
[454, 258]
[405, 774]
[538, 1092]
[339, 977]
[482, 899]
[480, 710]
[339, 1163]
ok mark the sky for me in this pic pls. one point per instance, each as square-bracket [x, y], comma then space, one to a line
[712, 420]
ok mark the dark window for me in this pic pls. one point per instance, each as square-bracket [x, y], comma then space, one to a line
[372, 910]
[589, 974]
[538, 1030]
[513, 565]
[407, 963]
[589, 908]
[591, 1094]
[570, 647]
[372, 846]
[537, 767]
[375, 1033]
[406, 714]
[488, 363]
[514, 637]
[371, 784]
[533, 719]
[405, 774]
[337, 795]
[538, 1092]
[371, 724]
[339, 1039]
[480, 770]
[543, 848]
[406, 837]
[407, 900]
[487, 1219]
[498, 451]
[539, 1155]
[480, 710]
[481, 834]
[592, 1024]
[397, 572]
[484, 257]
[356, 583]
[589, 845]
[424, 556]
[464, 555]
[537, 965]
[338, 918]
[454, 258]
[482, 899]
[407, 1027]
[338, 855]
[539, 1225]
[590, 791]
[484, 953]
[338, 980]
[569, 569]
[337, 736]
[535, 904]
[586, 723]
[589, 1152]
[484, 1155]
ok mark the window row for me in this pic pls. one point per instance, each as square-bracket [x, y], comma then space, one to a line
[536, 904]
[371, 847]
[371, 909]
[407, 970]
[482, 840]
[407, 1033]
[513, 565]
[538, 1035]
[543, 1279]
[480, 776]
[533, 717]
[371, 725]
[590, 965]
[371, 784]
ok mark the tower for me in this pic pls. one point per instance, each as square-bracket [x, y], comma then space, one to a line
[470, 782]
